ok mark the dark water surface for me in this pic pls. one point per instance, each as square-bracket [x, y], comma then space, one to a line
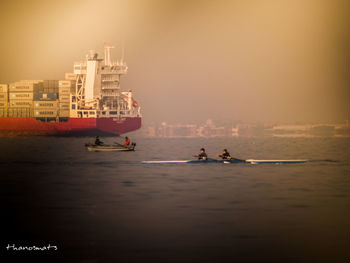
[107, 207]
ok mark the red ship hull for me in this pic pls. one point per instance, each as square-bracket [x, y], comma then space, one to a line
[72, 127]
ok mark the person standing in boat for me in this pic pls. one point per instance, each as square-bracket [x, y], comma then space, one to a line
[127, 142]
[202, 155]
[97, 141]
[225, 155]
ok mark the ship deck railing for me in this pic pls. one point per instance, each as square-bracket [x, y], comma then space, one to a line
[81, 113]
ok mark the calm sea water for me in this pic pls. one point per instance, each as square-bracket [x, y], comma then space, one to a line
[107, 207]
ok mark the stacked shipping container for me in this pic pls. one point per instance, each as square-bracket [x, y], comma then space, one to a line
[45, 108]
[3, 99]
[70, 76]
[64, 93]
[45, 99]
[36, 98]
[21, 98]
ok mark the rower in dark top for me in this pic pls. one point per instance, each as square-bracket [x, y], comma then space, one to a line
[202, 155]
[225, 155]
[97, 141]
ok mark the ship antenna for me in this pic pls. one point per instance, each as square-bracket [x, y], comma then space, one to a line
[107, 50]
[122, 60]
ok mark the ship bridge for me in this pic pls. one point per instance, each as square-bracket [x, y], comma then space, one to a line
[98, 86]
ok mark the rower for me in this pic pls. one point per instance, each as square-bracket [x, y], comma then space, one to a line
[225, 155]
[127, 141]
[97, 141]
[202, 155]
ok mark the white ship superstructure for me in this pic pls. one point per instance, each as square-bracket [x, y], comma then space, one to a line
[97, 88]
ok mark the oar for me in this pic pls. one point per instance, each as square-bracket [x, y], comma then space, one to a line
[119, 144]
[233, 158]
[207, 159]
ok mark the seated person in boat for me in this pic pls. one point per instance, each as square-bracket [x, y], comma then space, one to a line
[202, 155]
[127, 142]
[225, 155]
[97, 141]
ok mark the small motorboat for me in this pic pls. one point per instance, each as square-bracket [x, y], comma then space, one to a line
[110, 148]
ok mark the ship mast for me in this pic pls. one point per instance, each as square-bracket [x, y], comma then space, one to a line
[107, 51]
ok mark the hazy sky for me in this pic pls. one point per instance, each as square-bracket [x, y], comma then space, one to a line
[193, 60]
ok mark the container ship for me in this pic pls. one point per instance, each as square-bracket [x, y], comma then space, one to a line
[88, 102]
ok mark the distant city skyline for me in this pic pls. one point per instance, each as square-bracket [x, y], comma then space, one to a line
[240, 129]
